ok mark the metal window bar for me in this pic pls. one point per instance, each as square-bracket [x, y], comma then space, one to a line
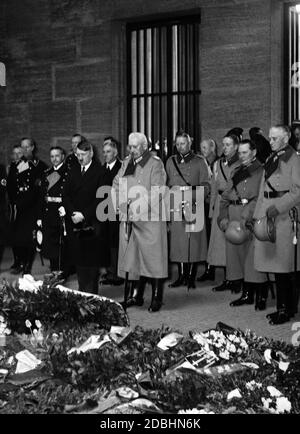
[163, 79]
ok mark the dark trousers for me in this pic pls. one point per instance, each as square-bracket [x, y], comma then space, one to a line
[88, 279]
[26, 256]
[113, 269]
[1, 253]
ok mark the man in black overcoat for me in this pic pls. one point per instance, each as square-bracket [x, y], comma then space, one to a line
[87, 243]
[112, 166]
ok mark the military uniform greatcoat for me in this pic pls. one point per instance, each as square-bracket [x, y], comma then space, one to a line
[282, 174]
[238, 204]
[145, 253]
[23, 184]
[52, 186]
[184, 246]
[221, 174]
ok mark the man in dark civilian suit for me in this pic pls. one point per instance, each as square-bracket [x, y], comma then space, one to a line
[86, 241]
[112, 166]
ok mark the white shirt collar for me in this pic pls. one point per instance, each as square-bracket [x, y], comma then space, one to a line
[111, 165]
[58, 167]
[87, 166]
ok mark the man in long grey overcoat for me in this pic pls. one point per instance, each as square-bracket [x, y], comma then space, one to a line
[279, 199]
[142, 249]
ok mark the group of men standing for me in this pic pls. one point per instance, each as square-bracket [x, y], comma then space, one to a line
[253, 210]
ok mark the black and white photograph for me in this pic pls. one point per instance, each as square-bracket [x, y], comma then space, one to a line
[150, 211]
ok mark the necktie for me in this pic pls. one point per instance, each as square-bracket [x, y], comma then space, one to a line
[82, 170]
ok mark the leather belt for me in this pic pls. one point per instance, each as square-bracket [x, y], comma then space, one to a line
[274, 194]
[53, 199]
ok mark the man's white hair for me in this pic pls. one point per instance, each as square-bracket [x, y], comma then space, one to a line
[140, 138]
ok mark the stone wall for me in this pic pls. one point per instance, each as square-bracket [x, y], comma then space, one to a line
[65, 63]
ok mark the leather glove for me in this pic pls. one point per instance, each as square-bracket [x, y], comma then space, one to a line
[272, 212]
[224, 224]
[61, 211]
[249, 224]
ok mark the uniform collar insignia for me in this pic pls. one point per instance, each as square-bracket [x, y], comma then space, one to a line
[286, 153]
[142, 160]
[233, 159]
[185, 158]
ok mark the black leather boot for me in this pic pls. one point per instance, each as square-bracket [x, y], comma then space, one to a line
[192, 275]
[261, 295]
[283, 292]
[181, 280]
[136, 293]
[236, 286]
[281, 317]
[224, 286]
[157, 295]
[247, 295]
[209, 273]
[128, 292]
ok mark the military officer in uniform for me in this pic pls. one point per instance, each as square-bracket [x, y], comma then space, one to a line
[279, 200]
[112, 165]
[143, 252]
[216, 256]
[3, 210]
[24, 187]
[237, 205]
[186, 170]
[87, 244]
[52, 224]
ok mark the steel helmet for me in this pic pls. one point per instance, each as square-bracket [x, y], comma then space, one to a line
[235, 234]
[265, 229]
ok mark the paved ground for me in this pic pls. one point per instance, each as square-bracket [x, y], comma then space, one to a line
[200, 309]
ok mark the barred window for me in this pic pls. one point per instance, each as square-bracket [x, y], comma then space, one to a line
[292, 56]
[163, 80]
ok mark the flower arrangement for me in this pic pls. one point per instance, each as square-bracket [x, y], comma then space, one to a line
[133, 374]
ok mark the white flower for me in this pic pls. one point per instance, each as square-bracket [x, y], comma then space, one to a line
[234, 394]
[267, 355]
[283, 405]
[273, 391]
[224, 354]
[7, 332]
[284, 366]
[28, 323]
[38, 324]
[266, 402]
[253, 385]
[2, 318]
[195, 411]
[232, 348]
